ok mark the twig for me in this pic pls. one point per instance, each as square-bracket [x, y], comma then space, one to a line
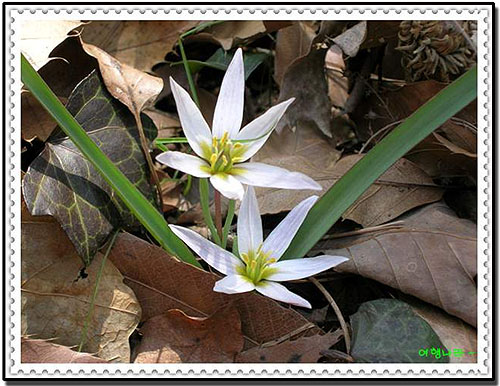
[330, 299]
[380, 131]
[83, 336]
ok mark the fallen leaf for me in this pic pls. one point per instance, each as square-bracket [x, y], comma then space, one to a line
[302, 350]
[402, 187]
[292, 43]
[433, 257]
[40, 37]
[41, 351]
[175, 337]
[388, 331]
[350, 40]
[139, 44]
[56, 299]
[62, 183]
[338, 83]
[134, 88]
[161, 283]
[449, 151]
[453, 332]
[230, 33]
[167, 125]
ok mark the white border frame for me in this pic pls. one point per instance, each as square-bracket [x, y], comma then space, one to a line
[15, 14]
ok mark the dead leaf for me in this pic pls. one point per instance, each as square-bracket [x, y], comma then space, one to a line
[41, 351]
[351, 39]
[56, 300]
[433, 257]
[302, 350]
[134, 88]
[139, 44]
[230, 33]
[161, 283]
[449, 151]
[40, 37]
[402, 187]
[292, 43]
[167, 125]
[453, 332]
[175, 337]
[338, 83]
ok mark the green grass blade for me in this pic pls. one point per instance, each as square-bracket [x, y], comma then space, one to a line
[165, 141]
[135, 201]
[403, 138]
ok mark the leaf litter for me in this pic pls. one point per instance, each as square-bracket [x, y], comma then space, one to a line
[351, 91]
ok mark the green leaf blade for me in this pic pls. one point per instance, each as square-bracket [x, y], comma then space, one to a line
[403, 138]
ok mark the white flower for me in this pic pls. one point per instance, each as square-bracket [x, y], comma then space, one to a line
[222, 151]
[258, 266]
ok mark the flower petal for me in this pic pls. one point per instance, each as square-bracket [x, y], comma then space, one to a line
[279, 292]
[234, 284]
[193, 124]
[300, 268]
[222, 260]
[259, 174]
[281, 237]
[228, 113]
[261, 128]
[249, 223]
[229, 186]
[186, 163]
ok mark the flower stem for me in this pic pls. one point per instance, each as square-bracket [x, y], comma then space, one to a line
[205, 207]
[227, 224]
[192, 87]
[218, 215]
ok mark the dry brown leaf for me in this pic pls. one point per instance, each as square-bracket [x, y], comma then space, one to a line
[292, 43]
[338, 83]
[56, 301]
[139, 44]
[167, 125]
[350, 40]
[302, 350]
[40, 37]
[403, 187]
[433, 257]
[175, 337]
[449, 151]
[230, 33]
[134, 88]
[41, 351]
[162, 283]
[453, 332]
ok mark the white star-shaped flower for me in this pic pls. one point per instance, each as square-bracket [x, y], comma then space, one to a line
[258, 266]
[222, 151]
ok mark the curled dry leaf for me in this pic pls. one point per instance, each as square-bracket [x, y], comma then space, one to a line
[453, 332]
[41, 351]
[56, 299]
[175, 337]
[139, 44]
[134, 88]
[402, 187]
[351, 40]
[231, 33]
[40, 37]
[302, 350]
[162, 283]
[433, 257]
[449, 151]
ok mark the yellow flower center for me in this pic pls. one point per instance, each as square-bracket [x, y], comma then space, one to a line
[257, 265]
[223, 154]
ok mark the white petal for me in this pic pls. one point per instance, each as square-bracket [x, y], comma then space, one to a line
[267, 176]
[300, 268]
[193, 124]
[261, 128]
[249, 223]
[228, 186]
[186, 163]
[228, 112]
[222, 260]
[281, 237]
[234, 284]
[279, 292]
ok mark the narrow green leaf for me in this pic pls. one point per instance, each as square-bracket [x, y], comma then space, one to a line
[403, 138]
[134, 200]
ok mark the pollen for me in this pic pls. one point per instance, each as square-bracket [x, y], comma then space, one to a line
[224, 154]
